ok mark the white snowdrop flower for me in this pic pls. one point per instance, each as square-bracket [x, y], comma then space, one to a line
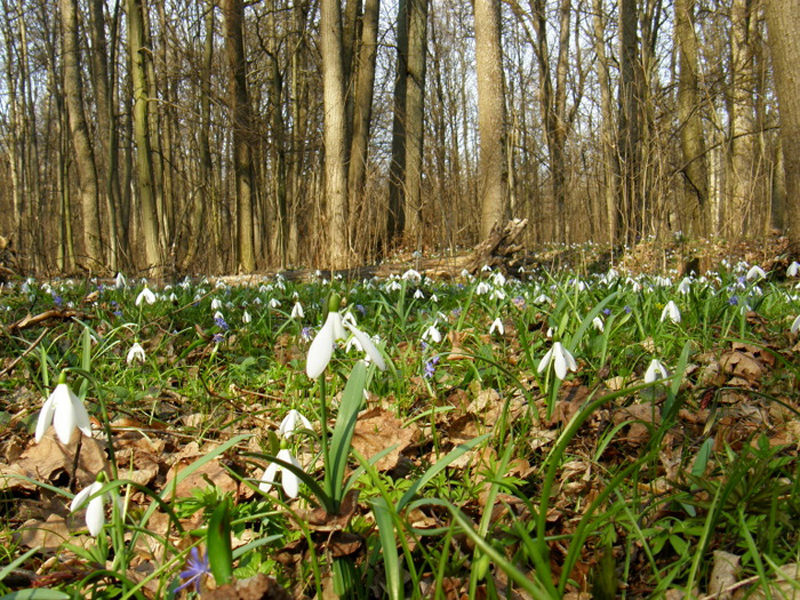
[216, 304]
[795, 325]
[756, 273]
[580, 285]
[197, 297]
[66, 412]
[433, 334]
[95, 511]
[486, 268]
[412, 275]
[685, 285]
[218, 316]
[655, 371]
[561, 358]
[419, 295]
[497, 325]
[542, 299]
[793, 270]
[598, 324]
[353, 344]
[497, 294]
[257, 301]
[290, 422]
[465, 274]
[498, 279]
[289, 481]
[483, 288]
[297, 311]
[145, 296]
[120, 281]
[246, 317]
[549, 333]
[321, 350]
[672, 312]
[434, 298]
[135, 354]
[173, 298]
[274, 303]
[263, 289]
[393, 285]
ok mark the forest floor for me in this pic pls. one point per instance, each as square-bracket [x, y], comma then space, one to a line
[478, 468]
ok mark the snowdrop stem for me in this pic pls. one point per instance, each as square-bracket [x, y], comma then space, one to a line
[324, 441]
[73, 484]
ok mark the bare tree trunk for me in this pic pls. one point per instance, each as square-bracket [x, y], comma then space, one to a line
[783, 22]
[491, 116]
[335, 133]
[610, 168]
[396, 216]
[140, 55]
[631, 199]
[742, 124]
[693, 147]
[203, 198]
[233, 11]
[84, 153]
[365, 86]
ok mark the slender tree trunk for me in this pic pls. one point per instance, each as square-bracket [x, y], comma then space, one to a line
[741, 116]
[140, 55]
[491, 115]
[357, 176]
[335, 132]
[82, 144]
[609, 183]
[693, 147]
[783, 22]
[396, 216]
[233, 11]
[415, 118]
[629, 123]
[197, 228]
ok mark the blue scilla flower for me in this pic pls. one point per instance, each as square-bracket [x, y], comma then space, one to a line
[196, 567]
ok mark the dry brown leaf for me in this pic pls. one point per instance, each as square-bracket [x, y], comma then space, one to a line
[378, 429]
[724, 574]
[49, 458]
[742, 365]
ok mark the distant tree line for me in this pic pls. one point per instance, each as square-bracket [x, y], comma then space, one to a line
[224, 135]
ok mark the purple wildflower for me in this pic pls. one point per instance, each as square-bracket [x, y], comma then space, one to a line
[218, 338]
[220, 321]
[360, 308]
[430, 366]
[196, 567]
[733, 300]
[606, 311]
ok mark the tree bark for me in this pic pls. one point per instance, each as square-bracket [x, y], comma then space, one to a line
[693, 202]
[783, 23]
[493, 178]
[81, 142]
[335, 133]
[139, 56]
[233, 11]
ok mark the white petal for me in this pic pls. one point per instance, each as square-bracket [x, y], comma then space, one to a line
[319, 354]
[543, 364]
[45, 417]
[64, 419]
[95, 515]
[335, 319]
[289, 481]
[368, 346]
[560, 364]
[571, 364]
[80, 498]
[795, 327]
[268, 478]
[82, 421]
